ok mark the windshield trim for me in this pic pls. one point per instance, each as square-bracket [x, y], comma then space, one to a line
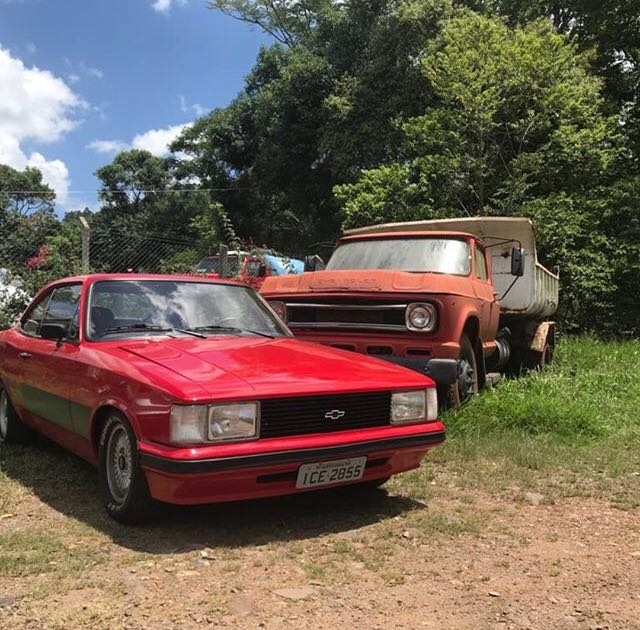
[418, 237]
[282, 330]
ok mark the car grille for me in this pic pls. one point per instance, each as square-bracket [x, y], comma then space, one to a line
[302, 415]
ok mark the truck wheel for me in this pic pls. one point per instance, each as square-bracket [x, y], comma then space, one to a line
[12, 429]
[538, 361]
[467, 385]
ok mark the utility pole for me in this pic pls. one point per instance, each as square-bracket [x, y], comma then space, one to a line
[86, 233]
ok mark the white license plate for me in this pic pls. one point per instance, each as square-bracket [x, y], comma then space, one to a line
[328, 473]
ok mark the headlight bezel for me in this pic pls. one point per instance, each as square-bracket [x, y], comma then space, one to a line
[427, 306]
[427, 410]
[196, 421]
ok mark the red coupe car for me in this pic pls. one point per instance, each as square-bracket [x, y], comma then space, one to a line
[190, 390]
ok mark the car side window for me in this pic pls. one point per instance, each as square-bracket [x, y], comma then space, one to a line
[31, 323]
[481, 264]
[63, 307]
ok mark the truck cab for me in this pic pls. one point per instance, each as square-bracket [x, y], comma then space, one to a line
[423, 291]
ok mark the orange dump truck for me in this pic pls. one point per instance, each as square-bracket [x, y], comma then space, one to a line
[462, 300]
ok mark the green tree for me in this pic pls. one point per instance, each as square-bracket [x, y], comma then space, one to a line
[517, 118]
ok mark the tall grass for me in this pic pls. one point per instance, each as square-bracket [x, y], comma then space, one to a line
[575, 426]
[591, 391]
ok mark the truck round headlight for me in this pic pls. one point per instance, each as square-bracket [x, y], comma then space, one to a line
[280, 309]
[421, 317]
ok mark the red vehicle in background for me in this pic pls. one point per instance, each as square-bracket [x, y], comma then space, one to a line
[190, 390]
[250, 268]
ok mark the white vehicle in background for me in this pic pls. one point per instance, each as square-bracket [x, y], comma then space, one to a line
[13, 297]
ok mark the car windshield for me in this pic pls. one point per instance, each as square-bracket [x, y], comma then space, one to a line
[213, 264]
[435, 255]
[125, 308]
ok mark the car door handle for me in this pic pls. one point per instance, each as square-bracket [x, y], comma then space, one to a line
[25, 355]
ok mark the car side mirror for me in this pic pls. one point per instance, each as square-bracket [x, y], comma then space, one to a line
[517, 261]
[54, 332]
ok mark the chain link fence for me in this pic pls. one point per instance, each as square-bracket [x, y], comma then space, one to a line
[35, 252]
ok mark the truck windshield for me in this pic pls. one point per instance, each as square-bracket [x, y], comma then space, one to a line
[435, 255]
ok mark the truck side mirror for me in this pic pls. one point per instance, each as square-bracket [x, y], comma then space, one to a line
[517, 261]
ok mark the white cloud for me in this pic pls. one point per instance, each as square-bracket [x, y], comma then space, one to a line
[73, 78]
[164, 6]
[90, 71]
[32, 49]
[155, 141]
[42, 109]
[107, 146]
[196, 108]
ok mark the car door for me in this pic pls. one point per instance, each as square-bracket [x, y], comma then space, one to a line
[45, 390]
[20, 346]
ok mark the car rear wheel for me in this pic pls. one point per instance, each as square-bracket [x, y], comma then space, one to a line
[12, 429]
[123, 485]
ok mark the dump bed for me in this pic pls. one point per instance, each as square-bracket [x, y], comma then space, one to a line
[534, 295]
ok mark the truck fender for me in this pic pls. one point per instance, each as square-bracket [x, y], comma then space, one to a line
[544, 334]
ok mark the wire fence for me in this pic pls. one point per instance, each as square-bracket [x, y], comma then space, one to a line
[34, 253]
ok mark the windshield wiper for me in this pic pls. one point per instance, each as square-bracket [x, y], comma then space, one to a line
[135, 328]
[231, 329]
[153, 327]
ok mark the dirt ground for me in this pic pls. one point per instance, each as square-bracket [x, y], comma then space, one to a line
[457, 558]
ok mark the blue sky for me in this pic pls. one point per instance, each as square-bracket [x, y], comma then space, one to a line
[80, 79]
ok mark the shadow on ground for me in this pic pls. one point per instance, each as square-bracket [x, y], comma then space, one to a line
[70, 486]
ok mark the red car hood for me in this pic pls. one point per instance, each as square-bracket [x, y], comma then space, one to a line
[241, 367]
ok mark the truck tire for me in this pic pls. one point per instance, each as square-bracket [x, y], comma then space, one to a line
[534, 360]
[467, 385]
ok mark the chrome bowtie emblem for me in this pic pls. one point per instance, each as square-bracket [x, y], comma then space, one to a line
[335, 414]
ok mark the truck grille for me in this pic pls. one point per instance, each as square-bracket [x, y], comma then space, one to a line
[385, 317]
[323, 414]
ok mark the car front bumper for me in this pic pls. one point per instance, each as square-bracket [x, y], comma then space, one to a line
[263, 468]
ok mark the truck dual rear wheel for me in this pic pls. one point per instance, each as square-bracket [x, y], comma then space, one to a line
[467, 384]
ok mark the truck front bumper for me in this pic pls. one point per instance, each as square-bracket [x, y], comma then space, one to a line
[443, 372]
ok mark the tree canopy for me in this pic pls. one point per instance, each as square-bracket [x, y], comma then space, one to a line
[375, 110]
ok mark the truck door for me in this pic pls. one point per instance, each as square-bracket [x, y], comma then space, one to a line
[485, 292]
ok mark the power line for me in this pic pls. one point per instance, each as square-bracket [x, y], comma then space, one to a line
[123, 192]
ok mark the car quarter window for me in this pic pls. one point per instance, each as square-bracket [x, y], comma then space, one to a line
[481, 264]
[59, 306]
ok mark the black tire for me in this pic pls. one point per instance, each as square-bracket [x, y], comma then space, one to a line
[12, 429]
[123, 485]
[538, 361]
[467, 385]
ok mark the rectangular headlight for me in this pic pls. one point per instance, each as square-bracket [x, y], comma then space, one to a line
[233, 422]
[415, 406]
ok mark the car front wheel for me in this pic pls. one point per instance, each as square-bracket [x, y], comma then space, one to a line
[123, 485]
[12, 429]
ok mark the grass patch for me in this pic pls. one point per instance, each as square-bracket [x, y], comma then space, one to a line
[29, 553]
[574, 428]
